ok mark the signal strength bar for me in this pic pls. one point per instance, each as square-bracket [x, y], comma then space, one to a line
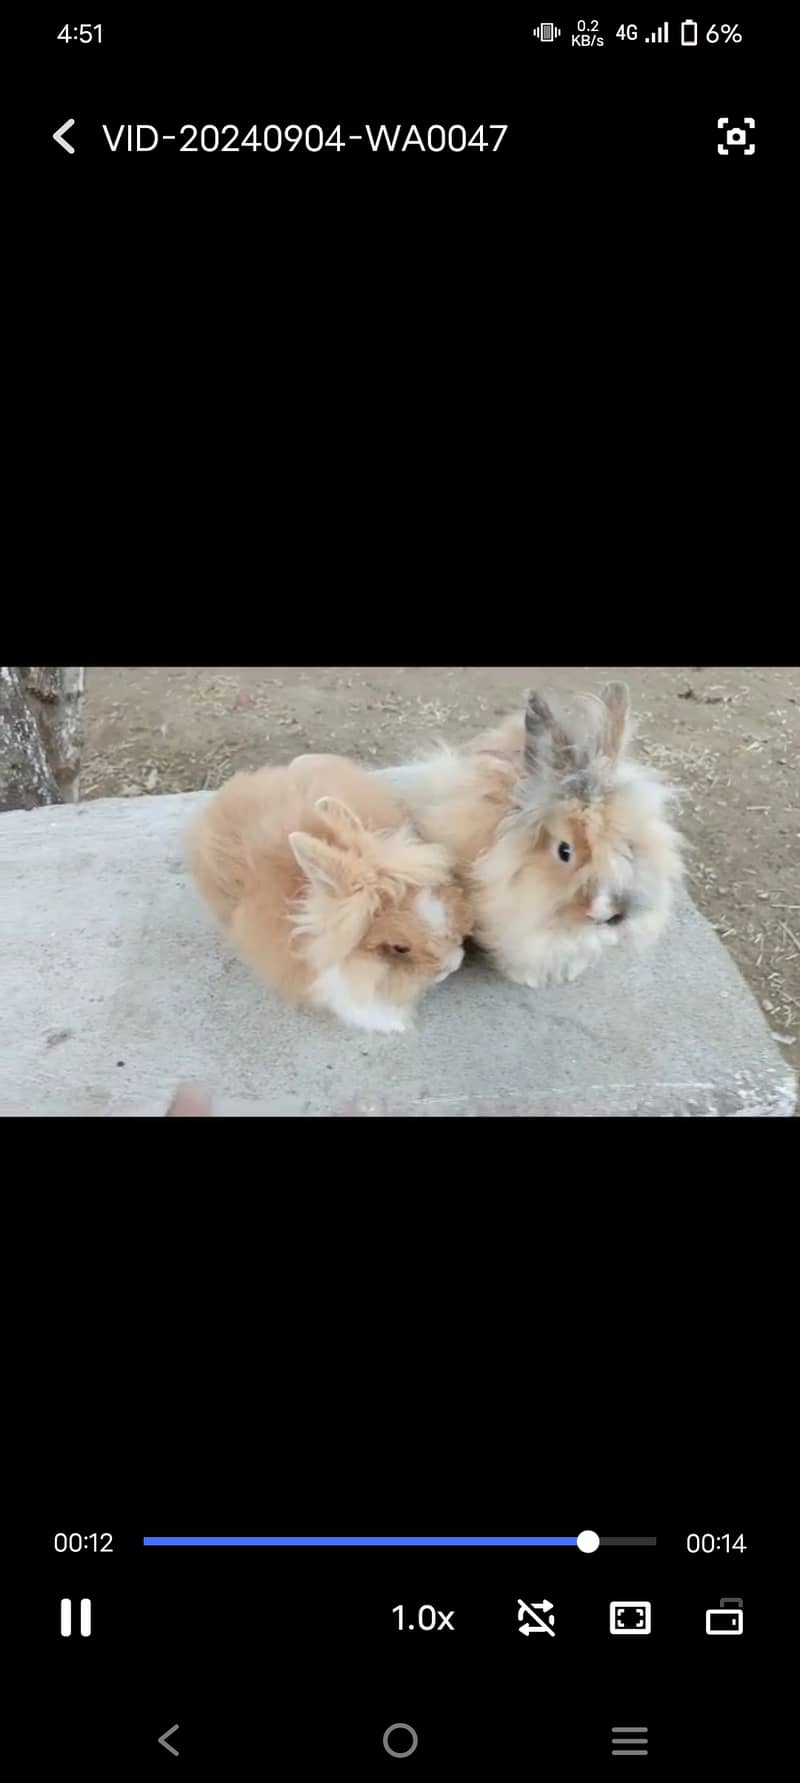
[661, 35]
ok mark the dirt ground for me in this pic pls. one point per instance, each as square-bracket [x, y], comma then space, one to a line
[729, 738]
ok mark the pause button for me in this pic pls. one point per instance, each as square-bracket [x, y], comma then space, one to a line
[85, 1615]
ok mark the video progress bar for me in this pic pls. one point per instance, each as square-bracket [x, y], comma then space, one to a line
[628, 1541]
[587, 1541]
[360, 1541]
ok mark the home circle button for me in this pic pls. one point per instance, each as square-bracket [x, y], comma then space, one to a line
[396, 1740]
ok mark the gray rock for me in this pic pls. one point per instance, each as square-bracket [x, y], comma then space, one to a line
[105, 944]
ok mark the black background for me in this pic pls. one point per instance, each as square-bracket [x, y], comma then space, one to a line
[291, 382]
[292, 1658]
[586, 126]
[347, 370]
[412, 1357]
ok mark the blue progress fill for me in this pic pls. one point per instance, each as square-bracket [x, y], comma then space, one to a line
[360, 1541]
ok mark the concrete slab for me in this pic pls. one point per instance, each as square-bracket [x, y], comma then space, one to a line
[115, 985]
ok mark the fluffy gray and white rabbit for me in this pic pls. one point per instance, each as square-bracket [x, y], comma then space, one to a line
[561, 838]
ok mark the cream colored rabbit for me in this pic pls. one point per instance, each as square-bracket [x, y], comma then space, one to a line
[327, 892]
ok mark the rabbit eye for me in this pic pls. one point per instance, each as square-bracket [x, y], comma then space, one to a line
[564, 851]
[398, 950]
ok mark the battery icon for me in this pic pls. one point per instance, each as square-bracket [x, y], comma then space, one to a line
[689, 34]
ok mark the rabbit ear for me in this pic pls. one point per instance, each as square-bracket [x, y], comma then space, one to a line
[341, 815]
[617, 700]
[321, 863]
[546, 742]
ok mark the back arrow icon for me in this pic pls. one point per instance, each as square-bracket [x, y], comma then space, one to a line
[163, 1740]
[58, 136]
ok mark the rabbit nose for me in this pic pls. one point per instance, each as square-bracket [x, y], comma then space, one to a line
[606, 909]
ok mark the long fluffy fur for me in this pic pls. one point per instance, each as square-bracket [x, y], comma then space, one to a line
[321, 883]
[503, 804]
